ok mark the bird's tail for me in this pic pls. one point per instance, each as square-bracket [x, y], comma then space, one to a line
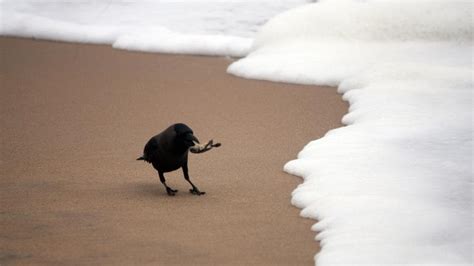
[141, 158]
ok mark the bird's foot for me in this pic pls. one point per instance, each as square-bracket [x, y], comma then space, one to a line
[170, 191]
[196, 191]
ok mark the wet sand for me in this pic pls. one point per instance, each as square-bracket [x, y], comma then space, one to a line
[75, 117]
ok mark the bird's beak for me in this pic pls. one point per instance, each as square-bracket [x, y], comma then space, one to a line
[195, 139]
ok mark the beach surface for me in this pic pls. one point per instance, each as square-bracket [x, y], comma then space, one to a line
[74, 118]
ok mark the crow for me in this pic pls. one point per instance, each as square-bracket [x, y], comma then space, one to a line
[168, 151]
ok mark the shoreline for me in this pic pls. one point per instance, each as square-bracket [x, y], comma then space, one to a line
[74, 118]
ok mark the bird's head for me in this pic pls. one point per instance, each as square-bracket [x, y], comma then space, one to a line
[184, 136]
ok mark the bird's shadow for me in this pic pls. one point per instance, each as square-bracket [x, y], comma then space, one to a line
[149, 189]
[152, 190]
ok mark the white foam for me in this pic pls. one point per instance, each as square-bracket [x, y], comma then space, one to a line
[394, 186]
[165, 41]
[207, 27]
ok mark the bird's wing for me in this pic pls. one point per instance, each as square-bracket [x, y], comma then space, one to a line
[151, 150]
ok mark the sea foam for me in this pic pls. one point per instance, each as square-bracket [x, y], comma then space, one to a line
[394, 186]
[203, 27]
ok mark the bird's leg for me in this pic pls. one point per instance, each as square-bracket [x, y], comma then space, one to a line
[170, 191]
[194, 190]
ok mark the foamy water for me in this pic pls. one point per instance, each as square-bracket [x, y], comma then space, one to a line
[187, 27]
[393, 187]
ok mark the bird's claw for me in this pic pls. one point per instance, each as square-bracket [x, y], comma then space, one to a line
[171, 192]
[196, 191]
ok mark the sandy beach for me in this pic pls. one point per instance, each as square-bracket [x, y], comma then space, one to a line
[75, 117]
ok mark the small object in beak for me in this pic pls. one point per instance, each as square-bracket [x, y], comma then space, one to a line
[200, 148]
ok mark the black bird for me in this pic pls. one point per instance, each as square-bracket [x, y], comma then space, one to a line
[168, 151]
